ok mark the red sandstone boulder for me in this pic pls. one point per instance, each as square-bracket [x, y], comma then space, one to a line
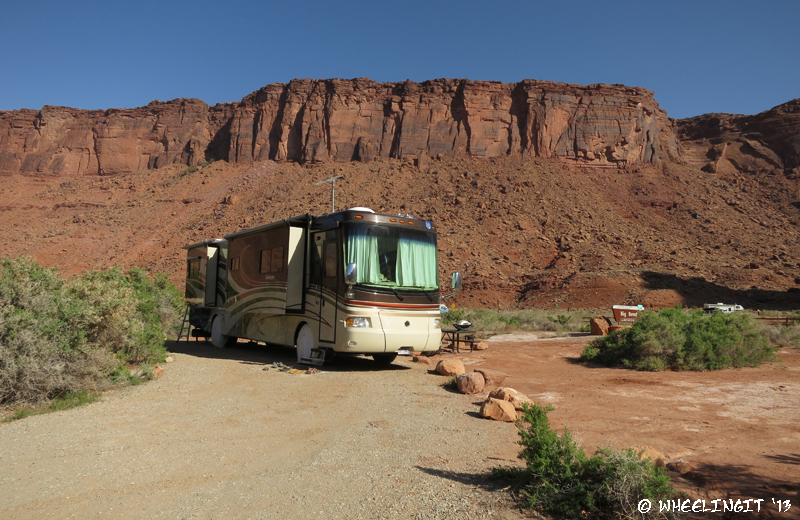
[470, 383]
[498, 410]
[450, 367]
[517, 399]
[492, 377]
[598, 326]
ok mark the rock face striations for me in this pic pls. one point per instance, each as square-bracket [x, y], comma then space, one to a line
[67, 141]
[359, 119]
[346, 120]
[768, 142]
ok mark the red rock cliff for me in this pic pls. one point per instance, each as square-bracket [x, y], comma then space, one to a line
[768, 142]
[343, 120]
[68, 141]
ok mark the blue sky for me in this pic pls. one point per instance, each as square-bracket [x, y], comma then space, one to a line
[698, 56]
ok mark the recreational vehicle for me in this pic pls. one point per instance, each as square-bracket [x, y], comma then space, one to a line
[352, 281]
[727, 308]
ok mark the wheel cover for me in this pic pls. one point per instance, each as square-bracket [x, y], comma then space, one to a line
[305, 342]
[218, 339]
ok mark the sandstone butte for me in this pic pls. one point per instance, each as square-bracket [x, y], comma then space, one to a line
[345, 120]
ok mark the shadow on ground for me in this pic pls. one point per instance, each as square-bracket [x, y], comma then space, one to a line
[483, 480]
[704, 480]
[252, 353]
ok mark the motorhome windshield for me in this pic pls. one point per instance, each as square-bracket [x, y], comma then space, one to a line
[392, 256]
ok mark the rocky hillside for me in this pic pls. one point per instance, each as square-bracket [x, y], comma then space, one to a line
[589, 202]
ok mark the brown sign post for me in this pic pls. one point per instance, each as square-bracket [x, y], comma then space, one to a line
[625, 313]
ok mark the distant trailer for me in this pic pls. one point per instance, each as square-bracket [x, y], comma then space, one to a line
[353, 282]
[727, 308]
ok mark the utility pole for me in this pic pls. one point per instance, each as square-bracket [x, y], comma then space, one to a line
[332, 180]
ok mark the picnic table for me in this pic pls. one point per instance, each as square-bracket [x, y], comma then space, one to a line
[456, 337]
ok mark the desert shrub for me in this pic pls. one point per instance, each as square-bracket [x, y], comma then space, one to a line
[59, 337]
[781, 336]
[561, 480]
[511, 320]
[451, 385]
[561, 319]
[683, 340]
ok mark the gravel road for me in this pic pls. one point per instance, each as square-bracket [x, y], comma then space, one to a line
[221, 437]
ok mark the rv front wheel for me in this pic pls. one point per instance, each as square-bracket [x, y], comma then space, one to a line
[218, 339]
[384, 359]
[305, 342]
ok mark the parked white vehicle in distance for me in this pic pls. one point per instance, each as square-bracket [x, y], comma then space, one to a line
[727, 308]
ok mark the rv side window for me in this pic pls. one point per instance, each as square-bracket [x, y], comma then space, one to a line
[277, 260]
[266, 261]
[194, 269]
[272, 260]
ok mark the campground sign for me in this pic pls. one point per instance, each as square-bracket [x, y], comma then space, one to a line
[626, 313]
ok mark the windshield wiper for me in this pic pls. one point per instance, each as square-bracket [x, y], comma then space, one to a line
[430, 298]
[381, 286]
[400, 296]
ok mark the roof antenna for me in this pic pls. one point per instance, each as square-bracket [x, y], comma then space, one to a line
[332, 180]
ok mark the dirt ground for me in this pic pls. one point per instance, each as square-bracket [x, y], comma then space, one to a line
[222, 435]
[727, 434]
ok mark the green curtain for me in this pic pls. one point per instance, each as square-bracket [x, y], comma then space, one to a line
[416, 261]
[362, 250]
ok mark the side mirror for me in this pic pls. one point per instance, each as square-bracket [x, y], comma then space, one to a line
[350, 274]
[456, 283]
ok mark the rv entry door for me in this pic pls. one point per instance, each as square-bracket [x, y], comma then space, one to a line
[330, 285]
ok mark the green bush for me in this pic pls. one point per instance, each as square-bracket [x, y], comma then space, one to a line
[683, 340]
[59, 337]
[560, 479]
[511, 320]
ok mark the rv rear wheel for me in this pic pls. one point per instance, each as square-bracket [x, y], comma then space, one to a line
[305, 342]
[384, 359]
[218, 339]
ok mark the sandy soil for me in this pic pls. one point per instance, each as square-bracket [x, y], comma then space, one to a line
[728, 434]
[221, 437]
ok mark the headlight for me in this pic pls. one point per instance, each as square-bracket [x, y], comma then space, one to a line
[358, 321]
[437, 323]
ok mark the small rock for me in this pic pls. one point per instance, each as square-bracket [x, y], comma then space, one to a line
[498, 410]
[470, 383]
[492, 377]
[450, 367]
[423, 161]
[158, 372]
[422, 360]
[169, 359]
[232, 199]
[480, 345]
